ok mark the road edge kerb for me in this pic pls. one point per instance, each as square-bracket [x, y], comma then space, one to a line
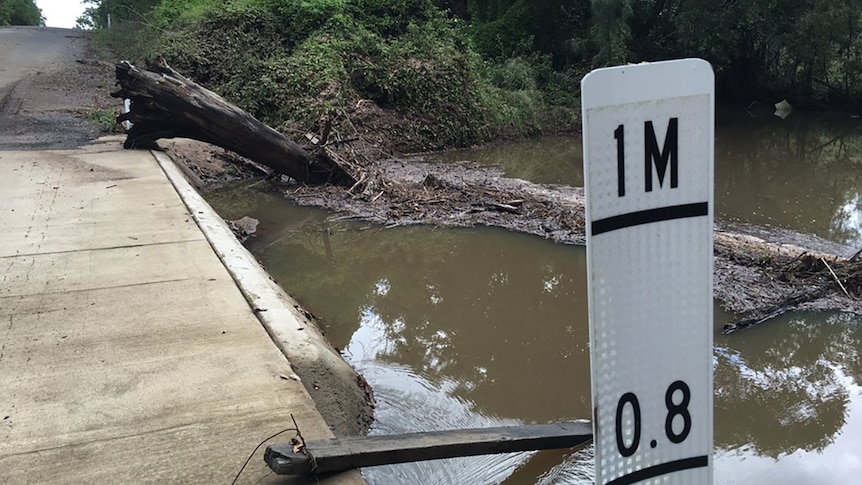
[338, 391]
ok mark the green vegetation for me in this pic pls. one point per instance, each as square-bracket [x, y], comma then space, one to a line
[292, 63]
[808, 51]
[106, 120]
[459, 72]
[20, 12]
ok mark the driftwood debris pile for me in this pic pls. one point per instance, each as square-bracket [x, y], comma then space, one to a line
[760, 280]
[760, 273]
[456, 195]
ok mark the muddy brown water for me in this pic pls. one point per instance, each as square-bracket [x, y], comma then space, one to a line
[479, 327]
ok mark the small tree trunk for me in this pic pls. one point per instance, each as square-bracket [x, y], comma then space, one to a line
[166, 104]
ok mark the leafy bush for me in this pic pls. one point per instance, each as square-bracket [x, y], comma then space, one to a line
[106, 120]
[20, 12]
[505, 36]
[390, 18]
[302, 18]
[178, 12]
[515, 74]
[292, 62]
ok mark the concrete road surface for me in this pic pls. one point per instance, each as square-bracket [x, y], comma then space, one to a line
[128, 354]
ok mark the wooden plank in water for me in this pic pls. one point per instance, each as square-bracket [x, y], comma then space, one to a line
[360, 451]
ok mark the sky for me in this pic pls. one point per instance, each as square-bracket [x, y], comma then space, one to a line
[61, 13]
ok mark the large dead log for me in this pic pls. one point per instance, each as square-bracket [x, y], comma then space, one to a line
[165, 104]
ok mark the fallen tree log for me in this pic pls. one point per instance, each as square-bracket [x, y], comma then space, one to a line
[165, 104]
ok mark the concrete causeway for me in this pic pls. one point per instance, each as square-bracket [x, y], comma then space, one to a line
[128, 354]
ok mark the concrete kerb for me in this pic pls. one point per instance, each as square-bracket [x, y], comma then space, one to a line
[338, 391]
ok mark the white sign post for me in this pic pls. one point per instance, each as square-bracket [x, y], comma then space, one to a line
[648, 170]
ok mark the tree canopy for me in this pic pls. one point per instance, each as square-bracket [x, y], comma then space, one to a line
[20, 12]
[808, 51]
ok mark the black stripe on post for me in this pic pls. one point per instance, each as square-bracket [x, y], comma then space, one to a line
[663, 469]
[608, 224]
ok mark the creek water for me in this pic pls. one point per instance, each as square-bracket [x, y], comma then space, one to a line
[480, 327]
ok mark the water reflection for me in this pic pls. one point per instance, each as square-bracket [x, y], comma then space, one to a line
[408, 402]
[802, 173]
[482, 311]
[482, 327]
[549, 160]
[787, 404]
[798, 173]
[454, 329]
[785, 390]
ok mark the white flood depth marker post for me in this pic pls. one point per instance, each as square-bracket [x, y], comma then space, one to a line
[648, 170]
